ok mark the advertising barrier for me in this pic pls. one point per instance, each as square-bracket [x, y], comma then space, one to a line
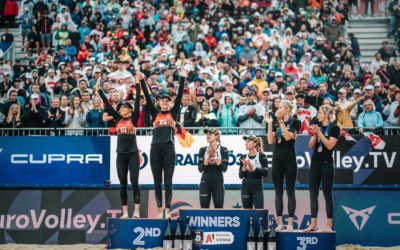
[79, 216]
[370, 218]
[355, 162]
[54, 161]
[89, 161]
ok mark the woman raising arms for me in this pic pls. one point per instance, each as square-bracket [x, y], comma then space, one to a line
[162, 152]
[127, 151]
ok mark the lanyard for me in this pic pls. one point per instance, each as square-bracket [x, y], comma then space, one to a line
[325, 133]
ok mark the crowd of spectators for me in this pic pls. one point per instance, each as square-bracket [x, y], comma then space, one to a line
[244, 57]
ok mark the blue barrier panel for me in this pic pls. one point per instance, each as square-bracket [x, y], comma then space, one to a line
[223, 228]
[134, 233]
[369, 218]
[54, 161]
[302, 241]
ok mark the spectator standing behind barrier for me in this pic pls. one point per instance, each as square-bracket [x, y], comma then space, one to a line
[55, 116]
[205, 118]
[34, 115]
[370, 120]
[75, 118]
[343, 108]
[390, 111]
[228, 115]
[213, 161]
[370, 95]
[253, 166]
[187, 113]
[94, 118]
[251, 116]
[13, 119]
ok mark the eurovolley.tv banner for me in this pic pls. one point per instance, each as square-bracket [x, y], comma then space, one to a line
[355, 162]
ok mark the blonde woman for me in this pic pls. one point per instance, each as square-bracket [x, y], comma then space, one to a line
[13, 119]
[213, 161]
[323, 141]
[282, 131]
[253, 166]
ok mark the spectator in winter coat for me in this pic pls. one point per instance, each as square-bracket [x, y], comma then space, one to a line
[344, 108]
[355, 46]
[35, 114]
[205, 118]
[370, 95]
[394, 73]
[187, 113]
[332, 31]
[370, 120]
[390, 111]
[11, 12]
[75, 118]
[251, 116]
[228, 114]
[94, 118]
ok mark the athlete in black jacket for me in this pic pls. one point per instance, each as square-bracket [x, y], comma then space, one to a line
[213, 161]
[162, 152]
[127, 150]
[253, 166]
[323, 141]
[283, 131]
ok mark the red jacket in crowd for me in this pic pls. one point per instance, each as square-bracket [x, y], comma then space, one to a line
[11, 8]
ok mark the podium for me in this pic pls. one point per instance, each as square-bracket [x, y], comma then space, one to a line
[211, 229]
[301, 241]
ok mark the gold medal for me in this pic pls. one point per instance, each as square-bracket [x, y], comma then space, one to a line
[320, 149]
[279, 141]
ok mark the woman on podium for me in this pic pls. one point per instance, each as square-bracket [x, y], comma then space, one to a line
[127, 151]
[324, 139]
[282, 131]
[213, 161]
[162, 152]
[253, 166]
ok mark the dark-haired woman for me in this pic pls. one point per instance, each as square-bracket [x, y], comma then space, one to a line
[162, 152]
[126, 119]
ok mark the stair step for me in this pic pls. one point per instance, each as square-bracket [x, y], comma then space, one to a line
[371, 36]
[373, 40]
[362, 25]
[368, 20]
[368, 30]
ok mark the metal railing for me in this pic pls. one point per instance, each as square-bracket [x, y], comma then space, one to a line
[9, 54]
[149, 131]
